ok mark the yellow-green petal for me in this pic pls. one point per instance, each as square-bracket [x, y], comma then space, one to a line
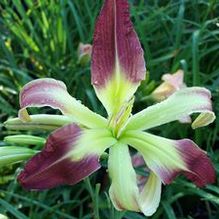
[179, 105]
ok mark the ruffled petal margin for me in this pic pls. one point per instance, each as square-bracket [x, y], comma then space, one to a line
[70, 155]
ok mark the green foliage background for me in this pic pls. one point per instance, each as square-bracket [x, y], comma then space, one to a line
[40, 38]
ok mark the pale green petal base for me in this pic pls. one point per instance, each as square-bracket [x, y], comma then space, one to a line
[117, 92]
[92, 142]
[157, 151]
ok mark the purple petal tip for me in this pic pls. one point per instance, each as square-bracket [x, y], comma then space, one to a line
[54, 166]
[116, 40]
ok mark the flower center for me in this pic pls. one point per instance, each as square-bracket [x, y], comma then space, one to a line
[118, 121]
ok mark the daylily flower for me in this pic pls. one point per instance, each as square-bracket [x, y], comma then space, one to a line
[171, 83]
[72, 152]
[84, 53]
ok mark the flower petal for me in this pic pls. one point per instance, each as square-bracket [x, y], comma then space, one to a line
[123, 190]
[53, 93]
[70, 155]
[186, 119]
[176, 79]
[117, 58]
[181, 104]
[150, 196]
[162, 92]
[167, 158]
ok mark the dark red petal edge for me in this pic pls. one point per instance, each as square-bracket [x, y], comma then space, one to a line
[50, 168]
[201, 170]
[197, 161]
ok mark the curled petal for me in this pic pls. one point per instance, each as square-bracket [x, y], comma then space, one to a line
[180, 105]
[167, 158]
[70, 155]
[53, 93]
[46, 92]
[124, 191]
[117, 58]
[202, 120]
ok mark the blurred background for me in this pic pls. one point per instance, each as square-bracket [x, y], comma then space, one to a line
[40, 38]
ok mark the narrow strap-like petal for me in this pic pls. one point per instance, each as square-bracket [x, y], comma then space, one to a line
[124, 191]
[149, 199]
[53, 93]
[70, 155]
[167, 158]
[181, 104]
[117, 58]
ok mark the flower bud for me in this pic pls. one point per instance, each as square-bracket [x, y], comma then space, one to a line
[84, 53]
[171, 83]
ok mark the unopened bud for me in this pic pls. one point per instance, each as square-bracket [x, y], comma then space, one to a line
[25, 140]
[84, 53]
